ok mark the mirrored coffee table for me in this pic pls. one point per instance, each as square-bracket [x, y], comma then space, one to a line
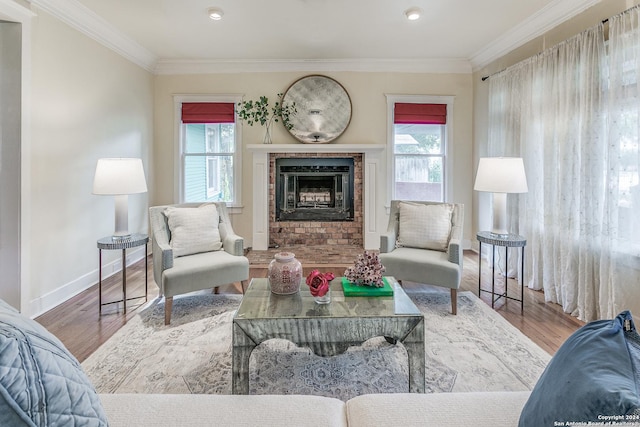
[327, 329]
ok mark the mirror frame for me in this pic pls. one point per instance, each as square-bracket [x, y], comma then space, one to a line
[317, 96]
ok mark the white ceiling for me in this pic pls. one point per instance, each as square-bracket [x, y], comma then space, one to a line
[452, 35]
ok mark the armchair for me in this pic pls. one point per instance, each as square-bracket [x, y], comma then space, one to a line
[178, 271]
[441, 266]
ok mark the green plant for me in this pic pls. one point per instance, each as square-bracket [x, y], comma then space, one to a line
[259, 112]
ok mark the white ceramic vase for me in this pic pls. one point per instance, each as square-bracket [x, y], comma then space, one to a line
[285, 274]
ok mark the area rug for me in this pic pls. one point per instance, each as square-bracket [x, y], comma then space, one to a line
[476, 350]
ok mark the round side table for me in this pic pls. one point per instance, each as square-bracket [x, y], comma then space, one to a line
[508, 241]
[109, 243]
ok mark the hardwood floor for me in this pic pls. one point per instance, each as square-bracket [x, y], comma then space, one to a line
[79, 326]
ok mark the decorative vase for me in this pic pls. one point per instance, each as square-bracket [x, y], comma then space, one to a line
[267, 135]
[324, 299]
[285, 274]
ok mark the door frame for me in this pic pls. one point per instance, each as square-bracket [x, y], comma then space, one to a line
[13, 12]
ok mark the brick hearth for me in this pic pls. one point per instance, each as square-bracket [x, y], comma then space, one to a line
[287, 233]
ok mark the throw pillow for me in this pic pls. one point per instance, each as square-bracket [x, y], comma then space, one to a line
[41, 383]
[424, 226]
[593, 377]
[193, 230]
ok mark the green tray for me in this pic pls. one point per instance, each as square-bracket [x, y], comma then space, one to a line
[353, 290]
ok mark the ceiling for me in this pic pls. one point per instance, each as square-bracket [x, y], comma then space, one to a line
[453, 35]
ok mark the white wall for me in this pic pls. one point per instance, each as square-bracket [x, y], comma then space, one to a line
[368, 124]
[87, 102]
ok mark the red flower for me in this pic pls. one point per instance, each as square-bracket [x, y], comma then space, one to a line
[319, 282]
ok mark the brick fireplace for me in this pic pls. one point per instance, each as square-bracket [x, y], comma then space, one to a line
[368, 208]
[333, 229]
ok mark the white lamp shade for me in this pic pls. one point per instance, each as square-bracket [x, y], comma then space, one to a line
[119, 176]
[501, 175]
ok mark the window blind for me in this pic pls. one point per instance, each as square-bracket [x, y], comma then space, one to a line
[424, 114]
[208, 112]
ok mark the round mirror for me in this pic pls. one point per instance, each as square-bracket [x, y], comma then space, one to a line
[324, 109]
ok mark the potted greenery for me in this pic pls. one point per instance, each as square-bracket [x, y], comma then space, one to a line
[259, 112]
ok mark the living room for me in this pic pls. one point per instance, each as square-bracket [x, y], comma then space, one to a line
[84, 97]
[116, 108]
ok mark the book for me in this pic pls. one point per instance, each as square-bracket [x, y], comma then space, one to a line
[353, 290]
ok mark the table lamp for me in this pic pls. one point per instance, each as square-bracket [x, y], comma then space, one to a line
[500, 176]
[120, 177]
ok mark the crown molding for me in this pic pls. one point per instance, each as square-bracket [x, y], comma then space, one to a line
[536, 25]
[195, 66]
[89, 23]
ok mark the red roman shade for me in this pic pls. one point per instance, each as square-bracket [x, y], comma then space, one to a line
[422, 114]
[208, 112]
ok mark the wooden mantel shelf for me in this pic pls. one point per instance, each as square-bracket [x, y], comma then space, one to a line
[315, 148]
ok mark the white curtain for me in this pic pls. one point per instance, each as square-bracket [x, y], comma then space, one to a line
[572, 114]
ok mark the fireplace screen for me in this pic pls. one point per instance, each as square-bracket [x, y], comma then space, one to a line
[314, 189]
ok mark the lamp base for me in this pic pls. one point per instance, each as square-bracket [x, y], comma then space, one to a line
[499, 201]
[122, 217]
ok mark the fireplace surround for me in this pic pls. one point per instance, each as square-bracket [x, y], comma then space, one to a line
[369, 212]
[318, 218]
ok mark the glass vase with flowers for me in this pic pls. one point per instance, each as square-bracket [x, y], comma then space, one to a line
[320, 286]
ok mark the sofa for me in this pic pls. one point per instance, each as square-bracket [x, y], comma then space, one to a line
[493, 409]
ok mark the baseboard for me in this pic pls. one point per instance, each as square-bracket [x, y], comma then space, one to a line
[56, 297]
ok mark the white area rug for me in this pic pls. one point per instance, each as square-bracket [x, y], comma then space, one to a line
[477, 350]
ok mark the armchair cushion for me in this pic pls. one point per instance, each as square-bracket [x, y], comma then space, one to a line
[194, 230]
[424, 226]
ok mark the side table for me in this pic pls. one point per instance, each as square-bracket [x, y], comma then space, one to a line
[109, 243]
[508, 241]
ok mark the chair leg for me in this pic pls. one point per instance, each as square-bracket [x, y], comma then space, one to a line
[168, 303]
[454, 301]
[242, 283]
[216, 290]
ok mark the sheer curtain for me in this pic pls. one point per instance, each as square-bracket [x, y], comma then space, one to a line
[622, 215]
[565, 112]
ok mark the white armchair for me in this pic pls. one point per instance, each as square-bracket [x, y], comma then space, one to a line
[177, 271]
[439, 263]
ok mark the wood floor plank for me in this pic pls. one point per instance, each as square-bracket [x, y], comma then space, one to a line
[78, 324]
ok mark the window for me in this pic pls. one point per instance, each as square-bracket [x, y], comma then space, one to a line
[209, 167]
[623, 112]
[418, 146]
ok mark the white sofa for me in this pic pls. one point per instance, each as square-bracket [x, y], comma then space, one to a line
[490, 409]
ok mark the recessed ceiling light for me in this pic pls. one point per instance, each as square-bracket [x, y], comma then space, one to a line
[215, 13]
[413, 13]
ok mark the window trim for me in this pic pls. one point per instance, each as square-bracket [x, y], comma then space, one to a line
[448, 159]
[178, 161]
